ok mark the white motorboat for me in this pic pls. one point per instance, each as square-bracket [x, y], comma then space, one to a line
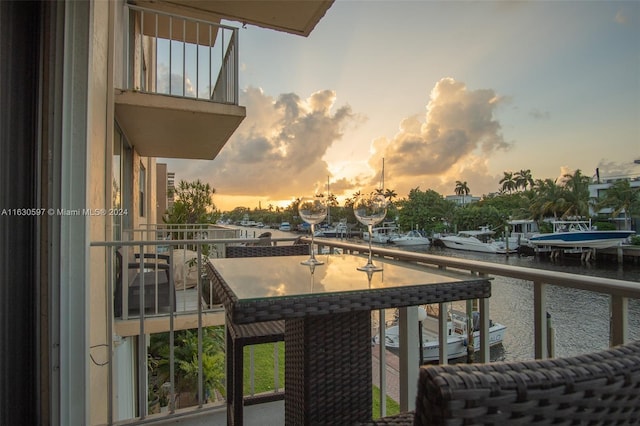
[285, 226]
[341, 230]
[579, 234]
[457, 340]
[479, 240]
[411, 238]
[382, 234]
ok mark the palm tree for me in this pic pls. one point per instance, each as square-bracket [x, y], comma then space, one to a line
[508, 183]
[622, 198]
[390, 194]
[523, 179]
[549, 200]
[332, 200]
[577, 188]
[462, 189]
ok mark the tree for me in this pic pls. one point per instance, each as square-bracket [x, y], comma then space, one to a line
[186, 360]
[426, 210]
[462, 189]
[549, 200]
[576, 187]
[193, 204]
[508, 183]
[621, 198]
[390, 194]
[523, 179]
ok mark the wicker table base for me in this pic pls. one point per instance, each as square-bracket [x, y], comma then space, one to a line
[328, 362]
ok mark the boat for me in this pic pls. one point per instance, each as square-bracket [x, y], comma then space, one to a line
[341, 230]
[285, 226]
[480, 240]
[382, 234]
[457, 340]
[411, 238]
[579, 234]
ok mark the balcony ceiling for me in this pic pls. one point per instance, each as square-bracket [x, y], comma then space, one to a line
[175, 127]
[295, 17]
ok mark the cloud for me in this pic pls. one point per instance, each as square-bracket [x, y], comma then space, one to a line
[277, 152]
[452, 142]
[621, 17]
[179, 86]
[612, 169]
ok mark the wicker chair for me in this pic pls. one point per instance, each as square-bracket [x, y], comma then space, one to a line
[239, 336]
[599, 388]
[156, 276]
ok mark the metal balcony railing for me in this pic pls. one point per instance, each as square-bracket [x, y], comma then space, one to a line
[159, 292]
[181, 56]
[161, 241]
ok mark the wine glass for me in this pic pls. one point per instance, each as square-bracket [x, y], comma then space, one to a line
[370, 209]
[312, 210]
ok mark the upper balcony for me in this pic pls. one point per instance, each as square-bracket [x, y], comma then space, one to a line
[293, 17]
[181, 99]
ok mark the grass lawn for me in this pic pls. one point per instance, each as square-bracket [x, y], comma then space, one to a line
[263, 356]
[263, 365]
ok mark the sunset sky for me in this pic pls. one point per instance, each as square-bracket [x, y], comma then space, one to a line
[442, 90]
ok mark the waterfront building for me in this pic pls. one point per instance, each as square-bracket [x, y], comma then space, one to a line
[597, 191]
[462, 200]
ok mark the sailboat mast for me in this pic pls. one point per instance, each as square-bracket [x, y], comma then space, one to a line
[328, 206]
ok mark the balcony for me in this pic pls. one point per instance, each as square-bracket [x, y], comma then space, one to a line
[293, 17]
[195, 310]
[181, 99]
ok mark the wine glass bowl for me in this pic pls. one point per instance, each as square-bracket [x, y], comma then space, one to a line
[312, 210]
[370, 209]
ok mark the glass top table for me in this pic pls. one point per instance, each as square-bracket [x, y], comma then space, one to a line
[282, 277]
[327, 313]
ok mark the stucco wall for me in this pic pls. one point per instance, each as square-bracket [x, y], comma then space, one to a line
[106, 72]
[100, 134]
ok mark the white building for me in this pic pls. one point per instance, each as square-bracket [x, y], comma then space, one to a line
[462, 200]
[598, 190]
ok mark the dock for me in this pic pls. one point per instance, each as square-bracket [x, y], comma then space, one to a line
[621, 254]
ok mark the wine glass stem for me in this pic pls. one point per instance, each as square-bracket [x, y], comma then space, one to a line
[311, 247]
[370, 227]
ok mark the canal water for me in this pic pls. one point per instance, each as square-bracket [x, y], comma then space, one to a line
[580, 318]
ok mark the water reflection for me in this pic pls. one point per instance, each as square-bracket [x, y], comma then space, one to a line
[580, 318]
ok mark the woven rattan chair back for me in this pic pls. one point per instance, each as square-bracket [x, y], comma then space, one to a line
[600, 388]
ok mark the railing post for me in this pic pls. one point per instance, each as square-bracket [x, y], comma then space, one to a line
[619, 322]
[382, 362]
[540, 320]
[485, 349]
[199, 305]
[471, 350]
[174, 303]
[236, 68]
[408, 322]
[110, 336]
[143, 379]
[443, 332]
